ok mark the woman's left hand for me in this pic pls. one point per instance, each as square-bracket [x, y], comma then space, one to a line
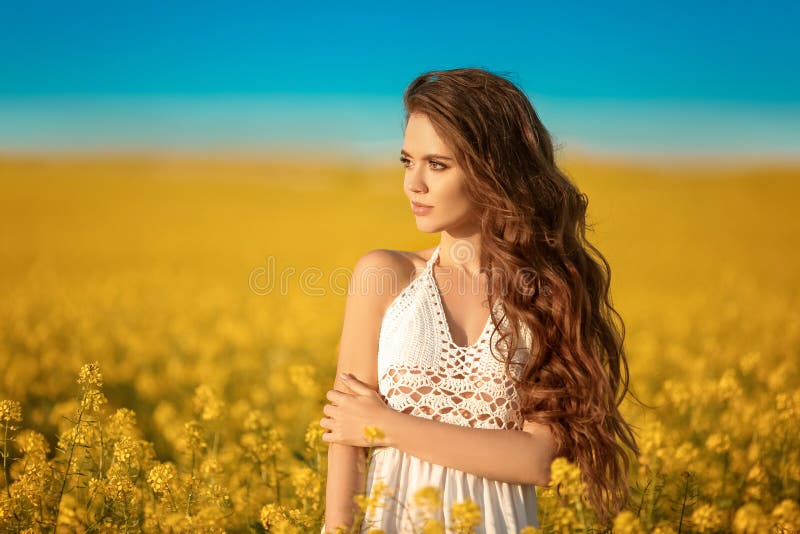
[356, 418]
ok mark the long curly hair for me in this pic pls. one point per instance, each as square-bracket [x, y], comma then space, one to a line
[533, 224]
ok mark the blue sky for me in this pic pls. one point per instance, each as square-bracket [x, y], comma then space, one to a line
[692, 77]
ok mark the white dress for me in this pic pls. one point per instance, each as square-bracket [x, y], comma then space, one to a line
[422, 372]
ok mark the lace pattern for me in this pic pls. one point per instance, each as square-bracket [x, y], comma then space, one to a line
[424, 373]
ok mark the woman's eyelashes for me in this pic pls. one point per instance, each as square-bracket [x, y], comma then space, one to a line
[405, 161]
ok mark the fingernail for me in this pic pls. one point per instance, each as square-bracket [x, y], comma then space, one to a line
[344, 375]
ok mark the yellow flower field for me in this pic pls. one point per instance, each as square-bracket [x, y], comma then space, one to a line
[169, 328]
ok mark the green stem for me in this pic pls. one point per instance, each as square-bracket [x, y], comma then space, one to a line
[724, 474]
[216, 443]
[641, 501]
[5, 455]
[277, 479]
[191, 488]
[125, 513]
[69, 462]
[172, 499]
[683, 504]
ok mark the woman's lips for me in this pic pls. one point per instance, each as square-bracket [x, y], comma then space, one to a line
[420, 209]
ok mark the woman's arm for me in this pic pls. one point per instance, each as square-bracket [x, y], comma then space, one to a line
[366, 302]
[346, 477]
[517, 456]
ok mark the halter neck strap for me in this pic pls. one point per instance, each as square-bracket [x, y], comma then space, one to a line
[433, 257]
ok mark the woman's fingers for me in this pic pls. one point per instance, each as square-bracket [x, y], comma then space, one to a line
[335, 396]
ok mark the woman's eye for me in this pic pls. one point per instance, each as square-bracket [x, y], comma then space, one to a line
[405, 161]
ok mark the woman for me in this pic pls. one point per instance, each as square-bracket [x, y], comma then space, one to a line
[453, 409]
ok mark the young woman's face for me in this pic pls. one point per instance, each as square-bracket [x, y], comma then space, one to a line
[433, 178]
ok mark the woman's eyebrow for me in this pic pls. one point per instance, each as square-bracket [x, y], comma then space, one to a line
[427, 156]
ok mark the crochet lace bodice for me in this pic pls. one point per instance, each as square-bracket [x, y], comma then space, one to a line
[423, 372]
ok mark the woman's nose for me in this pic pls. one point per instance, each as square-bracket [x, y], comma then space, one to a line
[415, 182]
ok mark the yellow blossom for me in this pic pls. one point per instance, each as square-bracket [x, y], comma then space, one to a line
[706, 518]
[566, 477]
[6, 509]
[211, 467]
[663, 528]
[10, 412]
[256, 420]
[262, 441]
[160, 476]
[728, 386]
[373, 434]
[376, 499]
[120, 487]
[718, 443]
[750, 519]
[786, 514]
[466, 516]
[94, 400]
[125, 451]
[90, 377]
[307, 483]
[714, 354]
[627, 523]
[433, 526]
[122, 423]
[207, 404]
[429, 496]
[275, 518]
[313, 436]
[33, 443]
[685, 456]
[302, 376]
[194, 437]
[653, 447]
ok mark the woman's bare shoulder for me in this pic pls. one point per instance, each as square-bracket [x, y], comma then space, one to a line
[399, 267]
[384, 257]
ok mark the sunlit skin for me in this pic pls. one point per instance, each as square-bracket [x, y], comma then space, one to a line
[432, 177]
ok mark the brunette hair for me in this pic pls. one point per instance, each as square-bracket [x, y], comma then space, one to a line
[533, 220]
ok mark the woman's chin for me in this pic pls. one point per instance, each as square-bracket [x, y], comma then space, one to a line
[426, 226]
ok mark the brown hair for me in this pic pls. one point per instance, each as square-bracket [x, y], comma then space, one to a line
[533, 221]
